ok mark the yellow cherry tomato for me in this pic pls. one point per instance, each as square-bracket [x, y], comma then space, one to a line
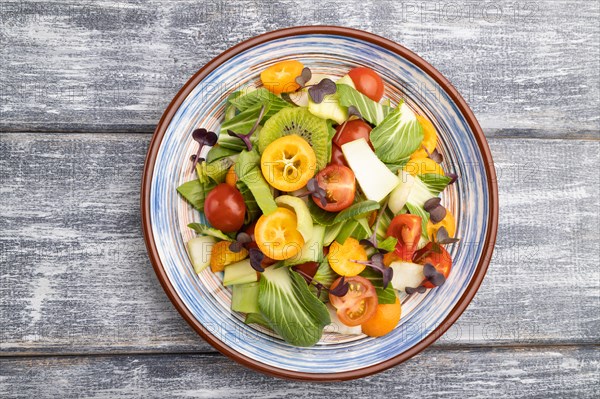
[341, 257]
[422, 166]
[281, 77]
[222, 256]
[288, 163]
[277, 235]
[429, 138]
[448, 222]
[231, 178]
[384, 320]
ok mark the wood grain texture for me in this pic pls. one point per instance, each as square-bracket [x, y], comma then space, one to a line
[526, 68]
[75, 276]
[501, 373]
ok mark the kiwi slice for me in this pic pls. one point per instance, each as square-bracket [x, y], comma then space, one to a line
[301, 122]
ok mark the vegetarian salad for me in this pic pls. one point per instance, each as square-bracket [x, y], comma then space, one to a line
[323, 204]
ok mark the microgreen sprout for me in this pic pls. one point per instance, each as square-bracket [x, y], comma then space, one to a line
[246, 137]
[435, 249]
[320, 90]
[204, 138]
[376, 263]
[442, 237]
[432, 275]
[318, 193]
[317, 92]
[340, 290]
[453, 177]
[436, 156]
[241, 240]
[411, 290]
[353, 111]
[436, 211]
[256, 258]
[304, 77]
[372, 240]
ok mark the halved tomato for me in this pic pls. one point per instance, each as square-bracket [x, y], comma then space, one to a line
[441, 260]
[277, 235]
[337, 156]
[368, 82]
[340, 185]
[407, 230]
[358, 305]
[352, 130]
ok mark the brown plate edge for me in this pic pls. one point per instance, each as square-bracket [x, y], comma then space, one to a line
[460, 306]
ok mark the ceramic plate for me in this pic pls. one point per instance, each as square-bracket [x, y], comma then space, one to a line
[205, 303]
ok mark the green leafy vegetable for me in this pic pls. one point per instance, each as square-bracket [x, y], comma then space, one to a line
[245, 120]
[234, 143]
[325, 276]
[248, 171]
[398, 135]
[230, 112]
[325, 218]
[395, 167]
[347, 230]
[331, 232]
[419, 211]
[252, 209]
[356, 228]
[205, 230]
[370, 110]
[356, 209]
[384, 223]
[216, 170]
[257, 318]
[385, 296]
[434, 182]
[219, 152]
[420, 193]
[259, 97]
[195, 192]
[389, 244]
[289, 307]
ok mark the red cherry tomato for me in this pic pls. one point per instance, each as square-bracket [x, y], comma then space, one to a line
[442, 261]
[350, 131]
[359, 304]
[225, 208]
[337, 156]
[368, 82]
[407, 230]
[340, 186]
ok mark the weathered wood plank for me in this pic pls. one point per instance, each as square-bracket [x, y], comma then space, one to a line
[499, 373]
[114, 66]
[75, 275]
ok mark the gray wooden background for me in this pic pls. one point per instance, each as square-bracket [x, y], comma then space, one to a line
[82, 85]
